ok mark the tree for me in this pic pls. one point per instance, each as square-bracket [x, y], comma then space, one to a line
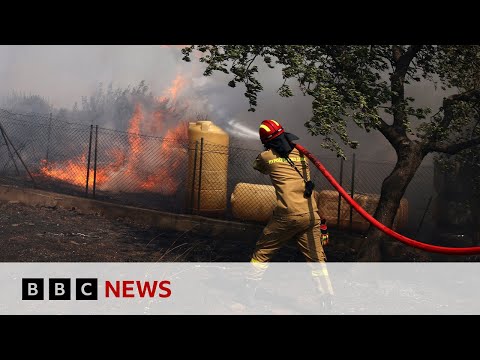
[26, 104]
[367, 84]
[464, 168]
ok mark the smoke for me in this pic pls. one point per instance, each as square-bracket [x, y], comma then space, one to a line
[240, 130]
[64, 74]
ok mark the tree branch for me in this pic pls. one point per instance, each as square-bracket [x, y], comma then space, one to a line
[396, 54]
[452, 149]
[412, 51]
[475, 126]
[468, 96]
[248, 67]
[448, 117]
[402, 62]
[251, 61]
[390, 133]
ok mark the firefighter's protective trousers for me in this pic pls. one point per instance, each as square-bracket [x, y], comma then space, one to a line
[304, 229]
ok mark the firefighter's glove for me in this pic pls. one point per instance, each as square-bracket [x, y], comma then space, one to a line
[309, 186]
[324, 237]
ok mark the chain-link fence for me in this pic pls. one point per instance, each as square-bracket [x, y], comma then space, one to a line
[173, 174]
[251, 196]
[91, 161]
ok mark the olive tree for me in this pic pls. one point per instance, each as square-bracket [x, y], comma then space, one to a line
[367, 85]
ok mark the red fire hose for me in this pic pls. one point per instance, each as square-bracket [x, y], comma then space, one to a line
[379, 225]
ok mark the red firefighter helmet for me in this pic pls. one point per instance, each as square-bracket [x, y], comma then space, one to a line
[269, 130]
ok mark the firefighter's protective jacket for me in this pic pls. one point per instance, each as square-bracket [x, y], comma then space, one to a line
[289, 185]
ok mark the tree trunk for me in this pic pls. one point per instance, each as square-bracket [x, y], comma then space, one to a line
[410, 157]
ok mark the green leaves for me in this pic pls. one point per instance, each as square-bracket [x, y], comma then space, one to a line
[350, 83]
[285, 91]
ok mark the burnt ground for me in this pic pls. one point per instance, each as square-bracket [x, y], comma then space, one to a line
[36, 234]
[44, 234]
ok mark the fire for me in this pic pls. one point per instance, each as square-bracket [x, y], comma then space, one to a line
[170, 149]
[147, 163]
[176, 87]
[134, 128]
[74, 172]
[156, 126]
[172, 92]
[134, 140]
[71, 171]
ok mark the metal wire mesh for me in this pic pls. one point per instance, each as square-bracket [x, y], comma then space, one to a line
[53, 153]
[250, 202]
[172, 174]
[141, 170]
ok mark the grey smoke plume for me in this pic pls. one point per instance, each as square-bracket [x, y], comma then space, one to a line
[240, 130]
[63, 74]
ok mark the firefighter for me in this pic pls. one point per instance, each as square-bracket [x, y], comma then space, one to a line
[295, 216]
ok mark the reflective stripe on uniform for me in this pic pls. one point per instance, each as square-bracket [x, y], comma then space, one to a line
[322, 279]
[259, 264]
[257, 270]
[320, 272]
[295, 158]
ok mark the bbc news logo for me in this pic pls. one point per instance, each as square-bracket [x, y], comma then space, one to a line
[59, 289]
[87, 289]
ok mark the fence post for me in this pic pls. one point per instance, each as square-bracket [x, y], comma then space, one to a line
[424, 214]
[48, 138]
[88, 161]
[192, 194]
[2, 129]
[340, 196]
[200, 175]
[352, 191]
[12, 158]
[95, 161]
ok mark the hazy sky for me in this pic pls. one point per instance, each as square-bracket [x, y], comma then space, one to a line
[63, 74]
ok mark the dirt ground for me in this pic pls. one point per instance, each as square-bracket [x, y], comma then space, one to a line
[56, 234]
[44, 234]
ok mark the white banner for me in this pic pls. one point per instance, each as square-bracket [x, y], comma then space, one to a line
[225, 288]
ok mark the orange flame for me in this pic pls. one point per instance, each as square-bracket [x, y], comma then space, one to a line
[172, 92]
[74, 172]
[170, 150]
[145, 165]
[134, 140]
[178, 84]
[134, 128]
